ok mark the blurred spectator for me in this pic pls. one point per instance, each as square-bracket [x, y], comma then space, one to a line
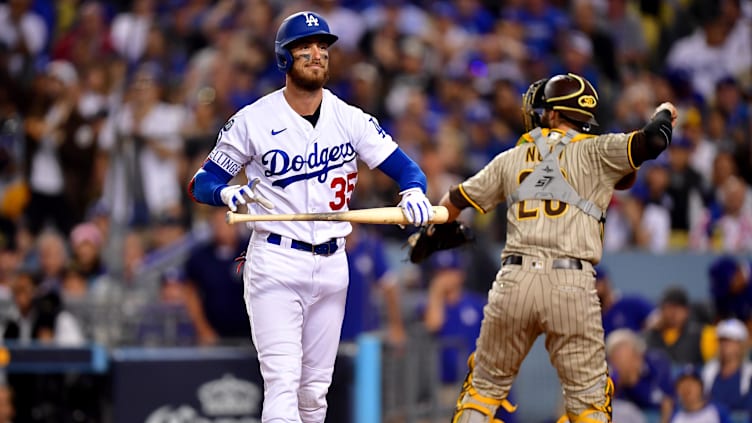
[620, 311]
[727, 226]
[373, 295]
[626, 29]
[648, 212]
[73, 287]
[88, 40]
[60, 152]
[730, 289]
[86, 243]
[685, 186]
[130, 29]
[625, 412]
[41, 316]
[9, 258]
[49, 260]
[24, 34]
[641, 376]
[693, 406]
[727, 378]
[678, 333]
[703, 148]
[586, 19]
[342, 21]
[576, 54]
[214, 288]
[542, 22]
[720, 47]
[452, 313]
[731, 105]
[144, 143]
[166, 322]
[203, 125]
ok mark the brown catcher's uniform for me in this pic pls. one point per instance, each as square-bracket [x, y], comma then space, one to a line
[546, 283]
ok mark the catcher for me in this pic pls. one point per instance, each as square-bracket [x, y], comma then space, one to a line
[557, 183]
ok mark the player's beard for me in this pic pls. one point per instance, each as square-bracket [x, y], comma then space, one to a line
[309, 82]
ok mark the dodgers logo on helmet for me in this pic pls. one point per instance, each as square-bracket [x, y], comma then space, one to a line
[295, 27]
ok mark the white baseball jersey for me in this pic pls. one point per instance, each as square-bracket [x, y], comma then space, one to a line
[303, 169]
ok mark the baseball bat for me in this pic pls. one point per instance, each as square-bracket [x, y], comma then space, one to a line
[378, 216]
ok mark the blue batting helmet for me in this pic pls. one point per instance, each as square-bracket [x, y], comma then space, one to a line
[293, 28]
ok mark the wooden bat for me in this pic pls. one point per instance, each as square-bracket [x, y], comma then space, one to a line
[379, 216]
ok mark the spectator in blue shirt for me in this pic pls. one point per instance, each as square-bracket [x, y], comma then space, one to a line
[693, 406]
[214, 288]
[727, 378]
[640, 376]
[370, 275]
[620, 311]
[730, 287]
[453, 314]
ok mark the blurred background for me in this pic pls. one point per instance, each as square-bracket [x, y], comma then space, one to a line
[119, 296]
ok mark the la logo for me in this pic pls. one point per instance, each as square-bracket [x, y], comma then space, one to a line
[311, 20]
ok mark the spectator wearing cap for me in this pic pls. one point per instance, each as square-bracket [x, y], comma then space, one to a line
[692, 403]
[730, 289]
[453, 315]
[727, 378]
[87, 242]
[685, 188]
[678, 333]
[59, 152]
[620, 311]
[641, 376]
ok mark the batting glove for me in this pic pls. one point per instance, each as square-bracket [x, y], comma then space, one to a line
[416, 207]
[234, 195]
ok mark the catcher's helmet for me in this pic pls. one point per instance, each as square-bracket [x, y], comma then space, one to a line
[571, 95]
[295, 27]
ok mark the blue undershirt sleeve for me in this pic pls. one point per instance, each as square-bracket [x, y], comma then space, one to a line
[207, 183]
[403, 170]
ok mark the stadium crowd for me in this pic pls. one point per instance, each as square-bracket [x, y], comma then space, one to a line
[106, 109]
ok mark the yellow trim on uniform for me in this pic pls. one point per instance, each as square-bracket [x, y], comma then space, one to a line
[573, 109]
[470, 200]
[629, 151]
[526, 138]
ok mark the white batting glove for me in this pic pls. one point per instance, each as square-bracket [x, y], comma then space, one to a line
[416, 207]
[234, 195]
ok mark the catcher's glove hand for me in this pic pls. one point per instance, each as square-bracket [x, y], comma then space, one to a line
[438, 236]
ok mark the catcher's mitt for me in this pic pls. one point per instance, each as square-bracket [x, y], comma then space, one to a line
[438, 236]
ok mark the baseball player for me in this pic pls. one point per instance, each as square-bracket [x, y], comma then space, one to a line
[557, 183]
[298, 147]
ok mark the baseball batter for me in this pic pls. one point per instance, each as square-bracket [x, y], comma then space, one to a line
[557, 182]
[299, 146]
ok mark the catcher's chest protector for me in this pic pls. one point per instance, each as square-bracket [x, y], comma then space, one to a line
[546, 182]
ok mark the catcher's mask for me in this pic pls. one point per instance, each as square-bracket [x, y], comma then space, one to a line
[571, 95]
[296, 27]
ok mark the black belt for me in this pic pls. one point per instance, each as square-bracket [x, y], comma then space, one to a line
[324, 249]
[560, 263]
